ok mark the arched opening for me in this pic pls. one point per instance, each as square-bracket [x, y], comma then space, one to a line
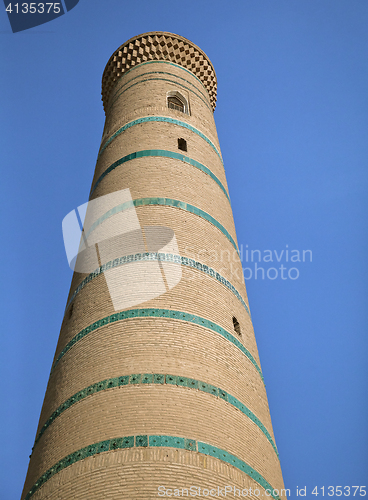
[175, 100]
[175, 103]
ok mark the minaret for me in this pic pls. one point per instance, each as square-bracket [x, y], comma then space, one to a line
[156, 387]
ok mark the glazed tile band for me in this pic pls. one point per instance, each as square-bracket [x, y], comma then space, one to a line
[161, 80]
[143, 441]
[161, 153]
[163, 202]
[164, 119]
[160, 257]
[160, 379]
[158, 313]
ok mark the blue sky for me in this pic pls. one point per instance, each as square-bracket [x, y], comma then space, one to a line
[292, 119]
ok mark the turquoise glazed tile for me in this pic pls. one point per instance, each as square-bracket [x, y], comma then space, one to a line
[155, 440]
[135, 379]
[192, 383]
[181, 381]
[170, 379]
[190, 444]
[103, 446]
[81, 394]
[116, 443]
[222, 394]
[147, 378]
[128, 442]
[113, 382]
[172, 442]
[81, 454]
[91, 450]
[100, 386]
[141, 440]
[90, 390]
[158, 378]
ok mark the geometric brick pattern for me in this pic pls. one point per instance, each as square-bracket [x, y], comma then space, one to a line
[121, 89]
[143, 441]
[160, 257]
[146, 119]
[159, 46]
[155, 378]
[163, 154]
[157, 313]
[167, 202]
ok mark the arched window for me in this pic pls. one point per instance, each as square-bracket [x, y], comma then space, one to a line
[175, 103]
[175, 100]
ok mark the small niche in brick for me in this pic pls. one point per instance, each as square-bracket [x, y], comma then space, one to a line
[236, 325]
[71, 311]
[182, 144]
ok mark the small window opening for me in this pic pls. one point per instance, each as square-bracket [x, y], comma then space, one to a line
[175, 103]
[71, 310]
[182, 144]
[236, 325]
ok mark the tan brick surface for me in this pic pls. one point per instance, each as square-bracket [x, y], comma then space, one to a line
[133, 90]
[186, 412]
[114, 475]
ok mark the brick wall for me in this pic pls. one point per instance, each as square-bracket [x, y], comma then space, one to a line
[187, 332]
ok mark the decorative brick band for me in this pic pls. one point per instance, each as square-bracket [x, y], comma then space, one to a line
[144, 441]
[161, 257]
[158, 313]
[161, 80]
[161, 153]
[164, 119]
[167, 63]
[164, 202]
[117, 89]
[160, 379]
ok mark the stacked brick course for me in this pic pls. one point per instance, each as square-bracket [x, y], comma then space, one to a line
[166, 392]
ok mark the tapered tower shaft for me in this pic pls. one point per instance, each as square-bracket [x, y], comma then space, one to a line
[156, 382]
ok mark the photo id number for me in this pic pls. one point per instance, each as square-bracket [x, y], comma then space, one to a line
[34, 7]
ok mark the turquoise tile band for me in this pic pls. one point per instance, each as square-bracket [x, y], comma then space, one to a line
[164, 202]
[158, 379]
[164, 119]
[161, 153]
[144, 441]
[161, 257]
[158, 313]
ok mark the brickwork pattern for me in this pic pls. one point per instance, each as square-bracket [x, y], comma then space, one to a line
[105, 380]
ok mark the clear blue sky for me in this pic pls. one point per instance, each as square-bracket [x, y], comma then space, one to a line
[292, 119]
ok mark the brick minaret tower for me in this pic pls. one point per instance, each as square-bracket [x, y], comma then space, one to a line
[157, 390]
